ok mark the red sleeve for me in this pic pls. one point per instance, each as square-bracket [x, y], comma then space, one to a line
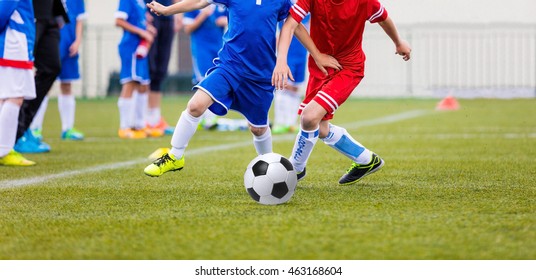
[377, 12]
[300, 10]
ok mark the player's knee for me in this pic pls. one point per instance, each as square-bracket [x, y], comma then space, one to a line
[195, 108]
[309, 121]
[257, 131]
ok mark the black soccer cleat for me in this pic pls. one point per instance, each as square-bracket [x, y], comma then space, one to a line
[301, 175]
[357, 171]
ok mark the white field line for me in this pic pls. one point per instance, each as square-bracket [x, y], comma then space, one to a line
[18, 183]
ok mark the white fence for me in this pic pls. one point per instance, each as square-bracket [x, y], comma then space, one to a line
[496, 60]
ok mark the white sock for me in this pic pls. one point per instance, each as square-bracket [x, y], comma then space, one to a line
[126, 109]
[66, 106]
[141, 103]
[340, 140]
[303, 146]
[293, 102]
[153, 116]
[184, 130]
[37, 122]
[279, 107]
[9, 120]
[263, 143]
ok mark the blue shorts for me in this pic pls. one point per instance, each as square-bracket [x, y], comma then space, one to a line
[69, 69]
[132, 68]
[231, 91]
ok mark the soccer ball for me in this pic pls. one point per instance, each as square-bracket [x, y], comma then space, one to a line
[270, 179]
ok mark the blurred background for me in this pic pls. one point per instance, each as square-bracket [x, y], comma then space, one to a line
[468, 49]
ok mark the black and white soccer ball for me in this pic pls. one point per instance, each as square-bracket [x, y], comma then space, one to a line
[270, 179]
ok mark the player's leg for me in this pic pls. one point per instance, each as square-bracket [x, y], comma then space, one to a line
[66, 100]
[126, 105]
[159, 56]
[253, 99]
[364, 162]
[184, 131]
[36, 127]
[311, 116]
[215, 91]
[280, 110]
[67, 109]
[9, 112]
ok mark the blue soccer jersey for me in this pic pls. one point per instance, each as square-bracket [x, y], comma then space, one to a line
[132, 68]
[76, 11]
[241, 78]
[205, 41]
[17, 33]
[249, 43]
[69, 64]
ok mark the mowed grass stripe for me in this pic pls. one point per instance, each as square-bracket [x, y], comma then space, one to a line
[19, 183]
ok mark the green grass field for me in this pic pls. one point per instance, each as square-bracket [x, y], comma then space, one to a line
[456, 185]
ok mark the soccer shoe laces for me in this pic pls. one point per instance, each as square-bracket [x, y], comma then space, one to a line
[163, 160]
[361, 166]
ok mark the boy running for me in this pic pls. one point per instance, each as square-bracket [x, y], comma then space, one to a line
[336, 32]
[240, 79]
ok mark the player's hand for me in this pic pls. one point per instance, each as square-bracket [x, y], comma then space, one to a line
[147, 36]
[73, 49]
[207, 11]
[151, 29]
[281, 75]
[404, 50]
[325, 60]
[156, 8]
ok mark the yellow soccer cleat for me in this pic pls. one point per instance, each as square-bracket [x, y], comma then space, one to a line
[153, 131]
[158, 153]
[165, 163]
[128, 133]
[15, 159]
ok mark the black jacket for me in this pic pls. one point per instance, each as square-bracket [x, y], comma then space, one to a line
[50, 9]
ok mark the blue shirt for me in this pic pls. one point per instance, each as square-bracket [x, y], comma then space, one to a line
[76, 11]
[133, 11]
[249, 43]
[17, 33]
[205, 41]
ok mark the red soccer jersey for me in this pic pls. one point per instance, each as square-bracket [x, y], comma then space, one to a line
[337, 27]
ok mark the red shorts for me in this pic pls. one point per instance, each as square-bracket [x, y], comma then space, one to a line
[331, 91]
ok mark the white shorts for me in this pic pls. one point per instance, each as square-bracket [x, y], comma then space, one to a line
[15, 82]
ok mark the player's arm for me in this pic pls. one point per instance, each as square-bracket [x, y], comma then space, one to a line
[144, 34]
[179, 7]
[6, 9]
[73, 49]
[322, 60]
[281, 72]
[199, 19]
[402, 47]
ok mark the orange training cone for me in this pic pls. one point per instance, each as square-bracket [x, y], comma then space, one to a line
[448, 103]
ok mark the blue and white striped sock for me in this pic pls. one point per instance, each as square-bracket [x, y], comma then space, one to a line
[305, 142]
[340, 140]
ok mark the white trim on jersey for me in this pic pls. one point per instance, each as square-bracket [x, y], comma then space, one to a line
[211, 96]
[329, 100]
[121, 15]
[298, 10]
[82, 16]
[377, 14]
[187, 20]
